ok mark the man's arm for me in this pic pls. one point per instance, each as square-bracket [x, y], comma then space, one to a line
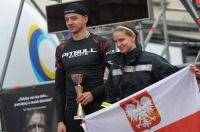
[60, 94]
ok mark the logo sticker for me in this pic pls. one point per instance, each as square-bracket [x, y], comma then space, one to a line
[35, 38]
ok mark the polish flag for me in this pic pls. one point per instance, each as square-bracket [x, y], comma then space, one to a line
[170, 105]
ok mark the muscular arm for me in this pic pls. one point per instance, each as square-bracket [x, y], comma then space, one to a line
[60, 95]
[106, 49]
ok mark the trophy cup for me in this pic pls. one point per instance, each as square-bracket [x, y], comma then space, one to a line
[77, 79]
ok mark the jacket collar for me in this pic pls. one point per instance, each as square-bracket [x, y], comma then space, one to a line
[131, 56]
[122, 59]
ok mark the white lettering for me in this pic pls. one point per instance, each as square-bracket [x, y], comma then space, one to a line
[85, 52]
[78, 53]
[92, 50]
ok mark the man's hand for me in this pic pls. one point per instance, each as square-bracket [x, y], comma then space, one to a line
[62, 127]
[85, 98]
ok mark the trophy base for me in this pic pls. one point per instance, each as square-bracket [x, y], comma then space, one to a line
[79, 117]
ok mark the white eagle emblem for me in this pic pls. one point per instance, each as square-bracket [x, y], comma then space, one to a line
[141, 112]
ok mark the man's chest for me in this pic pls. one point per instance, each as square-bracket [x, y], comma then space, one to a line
[81, 55]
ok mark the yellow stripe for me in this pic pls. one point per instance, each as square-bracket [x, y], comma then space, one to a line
[31, 30]
[105, 104]
[48, 72]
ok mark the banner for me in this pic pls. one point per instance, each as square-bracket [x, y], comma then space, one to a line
[29, 109]
[170, 105]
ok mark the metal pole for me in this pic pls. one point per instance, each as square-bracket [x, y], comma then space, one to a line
[141, 34]
[191, 10]
[185, 43]
[166, 49]
[153, 28]
[11, 44]
[38, 8]
[197, 58]
[176, 9]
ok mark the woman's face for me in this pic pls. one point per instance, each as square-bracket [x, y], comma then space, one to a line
[125, 43]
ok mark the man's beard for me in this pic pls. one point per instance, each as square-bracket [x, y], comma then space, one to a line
[77, 30]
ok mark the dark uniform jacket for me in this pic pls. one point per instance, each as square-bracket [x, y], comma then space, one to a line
[135, 71]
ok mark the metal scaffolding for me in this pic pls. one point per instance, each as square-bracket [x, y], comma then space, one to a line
[162, 16]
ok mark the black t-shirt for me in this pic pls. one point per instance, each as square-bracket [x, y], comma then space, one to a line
[89, 57]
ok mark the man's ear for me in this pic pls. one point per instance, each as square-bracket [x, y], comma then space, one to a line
[86, 18]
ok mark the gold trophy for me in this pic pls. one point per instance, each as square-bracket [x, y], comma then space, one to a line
[77, 79]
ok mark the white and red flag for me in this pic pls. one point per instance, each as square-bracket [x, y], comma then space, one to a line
[170, 105]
